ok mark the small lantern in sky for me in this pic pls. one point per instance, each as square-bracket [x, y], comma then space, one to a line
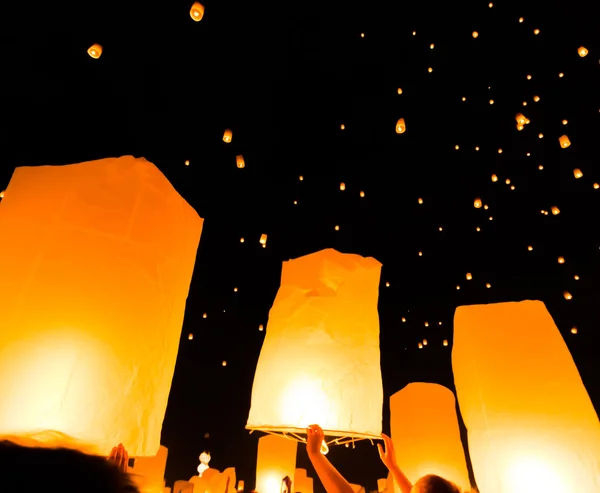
[400, 126]
[555, 210]
[426, 434]
[564, 141]
[227, 136]
[319, 363]
[239, 161]
[275, 460]
[263, 239]
[577, 173]
[95, 51]
[531, 424]
[197, 11]
[92, 301]
[477, 203]
[149, 472]
[582, 51]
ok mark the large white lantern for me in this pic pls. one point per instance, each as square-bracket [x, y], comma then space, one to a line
[531, 424]
[319, 362]
[426, 434]
[96, 261]
[276, 459]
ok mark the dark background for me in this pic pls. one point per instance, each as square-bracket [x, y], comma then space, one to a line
[284, 76]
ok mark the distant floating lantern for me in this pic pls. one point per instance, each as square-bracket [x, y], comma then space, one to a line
[567, 295]
[475, 34]
[76, 347]
[227, 136]
[424, 342]
[577, 173]
[362, 194]
[536, 98]
[596, 187]
[555, 210]
[263, 239]
[426, 434]
[400, 126]
[224, 363]
[420, 345]
[536, 31]
[529, 418]
[530, 248]
[561, 260]
[197, 11]
[325, 296]
[574, 330]
[477, 203]
[445, 342]
[521, 119]
[342, 186]
[2, 194]
[582, 51]
[429, 70]
[494, 178]
[399, 90]
[342, 126]
[239, 161]
[469, 276]
[564, 141]
[420, 200]
[95, 51]
[190, 336]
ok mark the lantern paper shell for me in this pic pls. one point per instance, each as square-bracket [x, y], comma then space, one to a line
[149, 472]
[197, 11]
[227, 136]
[564, 141]
[96, 261]
[319, 362]
[95, 51]
[531, 424]
[426, 434]
[275, 460]
[302, 483]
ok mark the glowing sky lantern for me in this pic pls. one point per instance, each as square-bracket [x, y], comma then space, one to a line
[149, 472]
[564, 141]
[302, 483]
[531, 424]
[400, 126]
[426, 434]
[239, 161]
[275, 460]
[227, 136]
[319, 362]
[95, 51]
[197, 11]
[477, 203]
[96, 260]
[582, 51]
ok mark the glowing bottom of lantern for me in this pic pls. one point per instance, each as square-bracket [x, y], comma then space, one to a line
[526, 474]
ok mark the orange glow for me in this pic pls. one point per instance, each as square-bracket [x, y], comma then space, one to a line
[531, 424]
[426, 435]
[564, 141]
[149, 472]
[582, 51]
[227, 136]
[400, 126]
[276, 459]
[477, 203]
[301, 482]
[197, 11]
[324, 297]
[239, 161]
[95, 51]
[92, 303]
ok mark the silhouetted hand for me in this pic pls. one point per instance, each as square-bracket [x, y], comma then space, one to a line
[119, 457]
[314, 439]
[387, 455]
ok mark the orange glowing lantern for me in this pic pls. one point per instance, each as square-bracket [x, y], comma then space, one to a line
[302, 483]
[531, 424]
[95, 51]
[96, 260]
[564, 141]
[275, 460]
[577, 173]
[149, 472]
[319, 362]
[239, 161]
[227, 136]
[477, 203]
[197, 11]
[400, 126]
[426, 435]
[582, 51]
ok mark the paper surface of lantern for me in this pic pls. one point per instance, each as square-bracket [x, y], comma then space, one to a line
[276, 459]
[400, 126]
[531, 424]
[239, 161]
[564, 141]
[426, 434]
[319, 363]
[96, 260]
[227, 136]
[95, 51]
[149, 472]
[197, 11]
[302, 483]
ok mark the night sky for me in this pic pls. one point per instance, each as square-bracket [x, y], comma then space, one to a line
[284, 77]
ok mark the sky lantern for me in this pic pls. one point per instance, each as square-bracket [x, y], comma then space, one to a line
[95, 51]
[197, 11]
[319, 363]
[555, 210]
[577, 173]
[239, 161]
[564, 141]
[582, 51]
[426, 434]
[400, 126]
[477, 203]
[227, 136]
[263, 239]
[92, 301]
[302, 483]
[276, 459]
[531, 424]
[149, 472]
[475, 34]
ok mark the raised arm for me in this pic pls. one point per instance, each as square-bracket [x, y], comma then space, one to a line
[388, 457]
[332, 480]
